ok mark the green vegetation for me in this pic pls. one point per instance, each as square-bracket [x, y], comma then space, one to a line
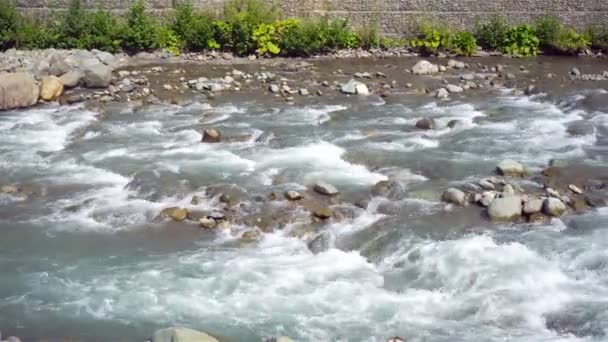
[257, 27]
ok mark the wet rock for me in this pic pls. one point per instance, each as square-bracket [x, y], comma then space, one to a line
[71, 79]
[454, 123]
[181, 335]
[505, 208]
[252, 235]
[533, 205]
[322, 242]
[487, 197]
[579, 205]
[196, 215]
[454, 196]
[207, 222]
[304, 92]
[595, 200]
[18, 90]
[354, 87]
[424, 68]
[456, 64]
[9, 189]
[575, 72]
[50, 88]
[426, 123]
[196, 200]
[442, 68]
[442, 93]
[325, 189]
[211, 135]
[510, 76]
[293, 195]
[388, 188]
[580, 128]
[575, 189]
[511, 168]
[486, 184]
[175, 213]
[538, 218]
[530, 90]
[452, 88]
[554, 207]
[552, 193]
[96, 74]
[467, 77]
[508, 190]
[323, 213]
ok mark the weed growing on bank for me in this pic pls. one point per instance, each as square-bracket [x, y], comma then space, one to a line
[257, 27]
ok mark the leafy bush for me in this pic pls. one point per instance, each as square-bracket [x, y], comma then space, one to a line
[598, 36]
[547, 29]
[491, 34]
[269, 36]
[338, 34]
[463, 43]
[195, 30]
[303, 39]
[570, 42]
[369, 36]
[10, 21]
[169, 40]
[521, 41]
[72, 26]
[103, 32]
[141, 32]
[432, 39]
[35, 35]
[391, 43]
[242, 18]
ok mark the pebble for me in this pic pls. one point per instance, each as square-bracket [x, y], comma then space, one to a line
[575, 189]
[293, 195]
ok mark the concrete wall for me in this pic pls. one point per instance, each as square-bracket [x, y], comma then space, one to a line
[393, 16]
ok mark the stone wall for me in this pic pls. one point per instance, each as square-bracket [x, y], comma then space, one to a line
[394, 16]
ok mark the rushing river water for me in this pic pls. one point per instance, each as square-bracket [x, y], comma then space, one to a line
[85, 258]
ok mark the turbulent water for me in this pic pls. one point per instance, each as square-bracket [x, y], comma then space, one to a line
[85, 258]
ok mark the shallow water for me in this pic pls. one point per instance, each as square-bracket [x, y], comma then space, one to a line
[84, 257]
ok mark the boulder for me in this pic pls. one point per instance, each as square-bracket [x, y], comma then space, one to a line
[354, 87]
[211, 135]
[96, 74]
[322, 242]
[273, 88]
[322, 213]
[486, 184]
[18, 90]
[455, 196]
[456, 64]
[181, 335]
[424, 68]
[533, 205]
[207, 222]
[104, 57]
[580, 127]
[71, 79]
[325, 189]
[176, 213]
[58, 65]
[454, 123]
[252, 235]
[50, 88]
[452, 88]
[442, 93]
[487, 197]
[554, 207]
[510, 167]
[426, 123]
[505, 208]
[293, 195]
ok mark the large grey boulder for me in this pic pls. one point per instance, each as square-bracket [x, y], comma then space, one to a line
[96, 74]
[58, 65]
[554, 207]
[455, 196]
[533, 206]
[424, 68]
[18, 90]
[510, 167]
[354, 87]
[71, 78]
[181, 335]
[505, 208]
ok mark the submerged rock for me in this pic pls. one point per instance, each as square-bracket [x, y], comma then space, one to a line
[554, 207]
[325, 189]
[252, 235]
[455, 196]
[505, 208]
[211, 135]
[181, 335]
[176, 213]
[426, 123]
[510, 167]
[18, 90]
[580, 127]
[293, 195]
[323, 213]
[322, 242]
[207, 222]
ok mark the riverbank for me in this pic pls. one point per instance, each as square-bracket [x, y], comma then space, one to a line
[359, 190]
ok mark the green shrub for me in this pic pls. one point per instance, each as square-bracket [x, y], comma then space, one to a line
[463, 43]
[391, 42]
[491, 34]
[141, 32]
[547, 29]
[10, 22]
[598, 36]
[369, 36]
[303, 39]
[103, 32]
[521, 41]
[432, 39]
[338, 34]
[195, 30]
[72, 26]
[169, 40]
[242, 18]
[569, 41]
[269, 36]
[33, 34]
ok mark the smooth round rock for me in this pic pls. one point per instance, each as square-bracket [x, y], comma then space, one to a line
[505, 209]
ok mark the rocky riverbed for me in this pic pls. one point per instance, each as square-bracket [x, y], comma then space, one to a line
[321, 199]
